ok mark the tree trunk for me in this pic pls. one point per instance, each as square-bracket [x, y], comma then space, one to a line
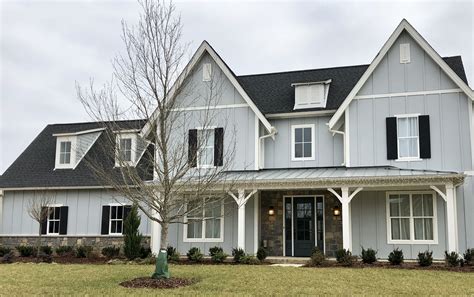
[161, 267]
[38, 244]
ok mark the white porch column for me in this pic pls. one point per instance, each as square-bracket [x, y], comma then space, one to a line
[451, 215]
[241, 201]
[345, 199]
[155, 235]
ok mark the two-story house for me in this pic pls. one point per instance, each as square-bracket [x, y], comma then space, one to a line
[377, 156]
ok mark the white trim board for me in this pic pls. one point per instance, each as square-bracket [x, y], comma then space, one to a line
[203, 48]
[300, 114]
[79, 132]
[228, 106]
[405, 94]
[404, 25]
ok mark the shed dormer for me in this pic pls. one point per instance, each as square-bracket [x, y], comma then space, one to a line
[311, 94]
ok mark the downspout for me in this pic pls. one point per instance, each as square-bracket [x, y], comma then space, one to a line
[334, 132]
[272, 133]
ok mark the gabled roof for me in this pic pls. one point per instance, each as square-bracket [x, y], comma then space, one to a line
[34, 168]
[273, 93]
[205, 47]
[403, 26]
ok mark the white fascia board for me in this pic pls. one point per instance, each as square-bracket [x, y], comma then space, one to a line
[404, 25]
[300, 114]
[205, 47]
[312, 83]
[78, 133]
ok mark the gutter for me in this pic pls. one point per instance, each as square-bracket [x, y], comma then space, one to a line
[334, 132]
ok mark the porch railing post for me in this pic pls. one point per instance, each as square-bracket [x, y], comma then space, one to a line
[451, 218]
[346, 219]
[241, 220]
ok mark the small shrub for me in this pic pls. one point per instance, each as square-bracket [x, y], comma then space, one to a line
[219, 257]
[317, 258]
[451, 259]
[262, 253]
[396, 257]
[425, 258]
[344, 257]
[46, 250]
[214, 250]
[145, 252]
[25, 250]
[45, 258]
[4, 250]
[83, 251]
[369, 256]
[249, 260]
[469, 257]
[111, 251]
[64, 250]
[132, 237]
[238, 253]
[7, 258]
[195, 255]
[172, 254]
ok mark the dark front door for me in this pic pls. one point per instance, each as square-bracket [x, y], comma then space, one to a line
[303, 224]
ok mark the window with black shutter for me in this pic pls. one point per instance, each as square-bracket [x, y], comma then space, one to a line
[408, 137]
[113, 217]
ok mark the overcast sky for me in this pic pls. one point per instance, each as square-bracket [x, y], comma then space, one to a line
[46, 46]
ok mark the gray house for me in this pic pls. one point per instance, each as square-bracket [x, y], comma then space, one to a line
[377, 155]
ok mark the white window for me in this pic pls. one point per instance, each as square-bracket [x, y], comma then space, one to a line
[311, 95]
[126, 144]
[53, 220]
[206, 72]
[302, 147]
[411, 217]
[116, 219]
[405, 53]
[408, 137]
[204, 221]
[65, 152]
[205, 154]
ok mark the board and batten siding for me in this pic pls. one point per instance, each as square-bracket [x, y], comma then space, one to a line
[328, 148]
[85, 212]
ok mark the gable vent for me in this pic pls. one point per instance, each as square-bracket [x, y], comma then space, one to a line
[404, 53]
[311, 94]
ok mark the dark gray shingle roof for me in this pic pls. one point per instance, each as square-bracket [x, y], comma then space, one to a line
[273, 93]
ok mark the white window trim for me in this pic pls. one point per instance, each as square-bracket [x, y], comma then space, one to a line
[409, 159]
[313, 142]
[48, 220]
[72, 160]
[199, 149]
[203, 235]
[412, 239]
[132, 136]
[110, 218]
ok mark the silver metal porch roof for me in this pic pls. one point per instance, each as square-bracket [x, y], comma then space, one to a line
[340, 176]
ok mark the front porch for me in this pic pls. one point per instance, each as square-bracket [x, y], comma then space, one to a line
[377, 208]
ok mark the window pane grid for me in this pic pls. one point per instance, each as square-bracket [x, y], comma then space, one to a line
[204, 220]
[407, 137]
[116, 219]
[53, 220]
[206, 153]
[303, 142]
[65, 152]
[125, 149]
[416, 225]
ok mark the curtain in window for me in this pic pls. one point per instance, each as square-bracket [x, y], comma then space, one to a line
[408, 137]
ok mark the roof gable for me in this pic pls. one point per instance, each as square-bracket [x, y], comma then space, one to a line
[403, 26]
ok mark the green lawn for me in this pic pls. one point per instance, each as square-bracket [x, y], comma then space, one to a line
[58, 279]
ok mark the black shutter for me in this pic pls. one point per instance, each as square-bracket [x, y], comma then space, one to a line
[392, 141]
[44, 221]
[218, 146]
[63, 214]
[126, 212]
[105, 219]
[425, 140]
[192, 148]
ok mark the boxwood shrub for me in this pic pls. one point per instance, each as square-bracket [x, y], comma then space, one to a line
[396, 257]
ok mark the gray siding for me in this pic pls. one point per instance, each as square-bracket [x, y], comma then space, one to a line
[84, 142]
[328, 148]
[369, 227]
[84, 217]
[465, 210]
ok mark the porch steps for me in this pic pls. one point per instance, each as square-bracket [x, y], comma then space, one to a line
[287, 260]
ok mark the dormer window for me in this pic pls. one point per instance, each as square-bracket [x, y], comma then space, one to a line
[126, 148]
[66, 152]
[311, 94]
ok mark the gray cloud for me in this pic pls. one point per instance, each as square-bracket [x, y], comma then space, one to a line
[46, 46]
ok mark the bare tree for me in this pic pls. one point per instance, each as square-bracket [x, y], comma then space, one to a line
[39, 209]
[149, 83]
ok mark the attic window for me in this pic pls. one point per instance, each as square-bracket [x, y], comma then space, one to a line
[311, 94]
[206, 72]
[404, 53]
[126, 147]
[65, 152]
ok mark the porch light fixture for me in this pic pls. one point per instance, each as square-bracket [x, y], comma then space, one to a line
[336, 211]
[271, 211]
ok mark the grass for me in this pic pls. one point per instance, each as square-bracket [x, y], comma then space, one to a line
[78, 279]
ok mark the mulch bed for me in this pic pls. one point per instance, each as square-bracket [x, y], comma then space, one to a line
[151, 283]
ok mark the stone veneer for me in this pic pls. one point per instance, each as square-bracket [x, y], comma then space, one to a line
[272, 226]
[97, 242]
